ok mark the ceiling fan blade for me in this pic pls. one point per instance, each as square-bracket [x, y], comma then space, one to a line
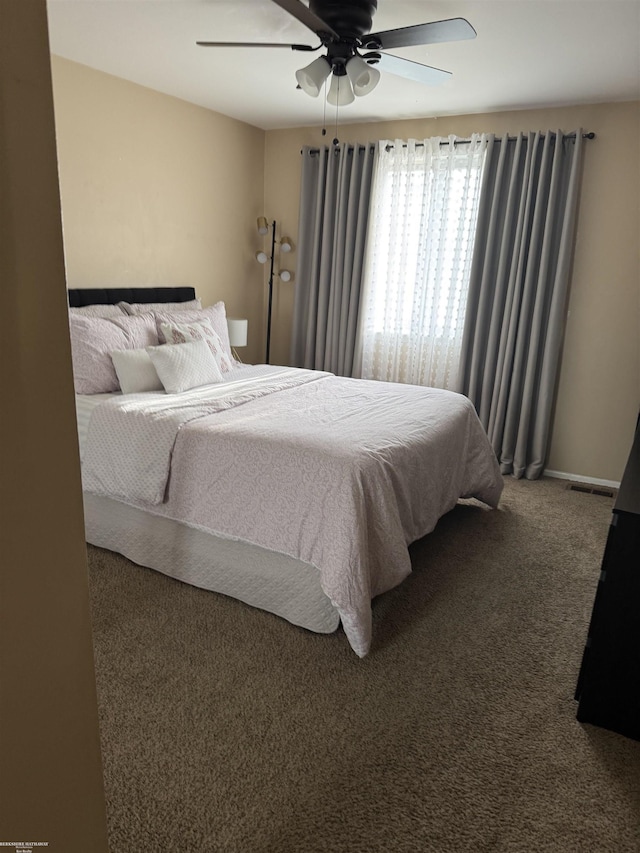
[412, 70]
[453, 29]
[256, 44]
[307, 17]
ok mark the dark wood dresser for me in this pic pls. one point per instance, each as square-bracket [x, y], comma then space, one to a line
[608, 690]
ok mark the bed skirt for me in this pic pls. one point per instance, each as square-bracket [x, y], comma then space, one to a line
[274, 582]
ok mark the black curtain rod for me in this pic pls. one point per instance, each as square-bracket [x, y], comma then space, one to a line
[336, 147]
[590, 135]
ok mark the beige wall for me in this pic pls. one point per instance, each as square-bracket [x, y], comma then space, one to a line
[599, 391]
[156, 191]
[51, 786]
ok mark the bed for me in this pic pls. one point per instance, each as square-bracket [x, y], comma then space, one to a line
[294, 491]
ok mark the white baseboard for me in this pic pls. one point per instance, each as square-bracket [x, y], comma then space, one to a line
[580, 478]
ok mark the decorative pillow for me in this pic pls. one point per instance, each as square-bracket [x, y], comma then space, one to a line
[99, 311]
[93, 339]
[145, 307]
[216, 314]
[180, 333]
[135, 371]
[184, 366]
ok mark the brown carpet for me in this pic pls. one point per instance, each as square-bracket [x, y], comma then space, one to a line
[227, 729]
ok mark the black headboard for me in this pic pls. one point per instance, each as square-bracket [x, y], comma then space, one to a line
[79, 297]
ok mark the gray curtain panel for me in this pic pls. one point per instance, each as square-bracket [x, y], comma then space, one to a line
[334, 210]
[518, 292]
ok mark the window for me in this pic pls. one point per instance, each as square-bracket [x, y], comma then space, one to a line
[418, 262]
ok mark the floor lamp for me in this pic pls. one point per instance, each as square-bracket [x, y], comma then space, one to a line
[285, 245]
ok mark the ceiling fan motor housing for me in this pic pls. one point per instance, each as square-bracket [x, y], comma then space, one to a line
[350, 20]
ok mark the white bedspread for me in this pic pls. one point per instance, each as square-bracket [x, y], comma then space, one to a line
[341, 473]
[131, 441]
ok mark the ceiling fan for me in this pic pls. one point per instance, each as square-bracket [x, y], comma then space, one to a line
[353, 57]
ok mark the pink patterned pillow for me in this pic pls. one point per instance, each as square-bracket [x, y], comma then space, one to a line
[93, 340]
[181, 333]
[102, 311]
[216, 314]
[140, 331]
[145, 307]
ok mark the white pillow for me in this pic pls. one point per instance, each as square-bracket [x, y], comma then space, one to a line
[135, 371]
[180, 333]
[184, 366]
[144, 307]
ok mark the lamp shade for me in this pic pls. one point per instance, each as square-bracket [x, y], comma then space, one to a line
[286, 244]
[340, 91]
[262, 257]
[311, 78]
[364, 77]
[263, 225]
[285, 275]
[237, 331]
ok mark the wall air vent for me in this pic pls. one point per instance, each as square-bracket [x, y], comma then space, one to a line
[588, 489]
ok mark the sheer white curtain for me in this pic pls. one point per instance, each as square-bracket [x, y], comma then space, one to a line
[418, 259]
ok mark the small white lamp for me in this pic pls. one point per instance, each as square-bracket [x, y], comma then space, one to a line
[237, 334]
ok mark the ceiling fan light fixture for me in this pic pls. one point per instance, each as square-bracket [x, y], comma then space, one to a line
[364, 77]
[311, 78]
[340, 91]
[343, 28]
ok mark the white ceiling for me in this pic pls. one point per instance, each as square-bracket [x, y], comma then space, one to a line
[528, 54]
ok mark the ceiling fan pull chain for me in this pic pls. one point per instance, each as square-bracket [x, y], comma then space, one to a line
[324, 110]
